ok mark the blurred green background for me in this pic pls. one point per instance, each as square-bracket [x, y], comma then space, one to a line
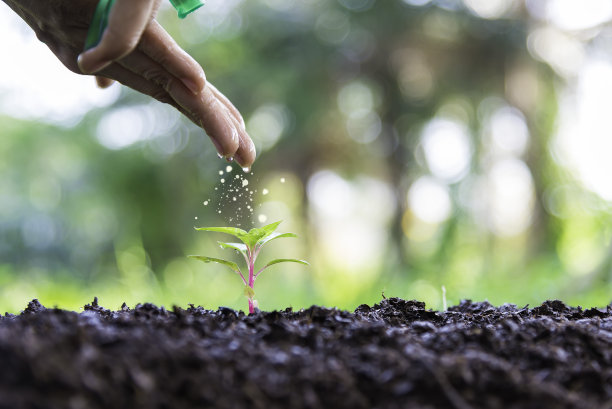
[410, 144]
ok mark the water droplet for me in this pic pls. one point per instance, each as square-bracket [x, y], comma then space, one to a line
[246, 170]
[219, 212]
[196, 217]
[245, 183]
[228, 168]
[234, 198]
[282, 180]
[220, 172]
[216, 188]
[265, 192]
[229, 159]
[262, 218]
[205, 203]
[219, 155]
[222, 180]
[237, 176]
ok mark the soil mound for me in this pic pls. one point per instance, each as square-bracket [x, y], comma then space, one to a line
[395, 354]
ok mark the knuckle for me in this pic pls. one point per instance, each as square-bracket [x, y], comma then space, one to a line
[159, 77]
[162, 96]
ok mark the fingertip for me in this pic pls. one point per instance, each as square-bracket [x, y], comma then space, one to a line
[226, 146]
[246, 154]
[104, 82]
[89, 63]
[195, 84]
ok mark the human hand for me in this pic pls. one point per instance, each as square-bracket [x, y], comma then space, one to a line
[136, 51]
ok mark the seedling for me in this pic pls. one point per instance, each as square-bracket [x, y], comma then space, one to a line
[252, 242]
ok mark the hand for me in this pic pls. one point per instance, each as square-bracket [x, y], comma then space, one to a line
[136, 51]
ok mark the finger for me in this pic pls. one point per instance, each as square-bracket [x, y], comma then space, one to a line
[204, 109]
[127, 21]
[245, 155]
[104, 82]
[161, 48]
[140, 84]
[228, 104]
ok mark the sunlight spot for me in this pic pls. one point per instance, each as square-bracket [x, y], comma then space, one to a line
[489, 9]
[508, 131]
[561, 51]
[578, 15]
[122, 127]
[510, 197]
[447, 149]
[267, 124]
[429, 200]
[583, 140]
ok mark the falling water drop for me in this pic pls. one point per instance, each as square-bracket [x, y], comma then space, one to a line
[265, 192]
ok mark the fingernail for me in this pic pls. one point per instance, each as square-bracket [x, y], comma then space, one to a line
[95, 67]
[193, 87]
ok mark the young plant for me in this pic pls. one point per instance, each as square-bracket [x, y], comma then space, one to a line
[252, 242]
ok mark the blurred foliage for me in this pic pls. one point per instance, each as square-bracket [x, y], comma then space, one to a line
[338, 96]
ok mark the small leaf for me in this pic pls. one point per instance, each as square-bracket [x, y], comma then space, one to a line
[273, 236]
[236, 246]
[281, 260]
[285, 260]
[234, 231]
[258, 233]
[230, 264]
[249, 292]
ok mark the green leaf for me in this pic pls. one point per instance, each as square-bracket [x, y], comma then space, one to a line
[250, 238]
[258, 233]
[249, 292]
[281, 260]
[230, 264]
[234, 231]
[273, 236]
[236, 246]
[285, 260]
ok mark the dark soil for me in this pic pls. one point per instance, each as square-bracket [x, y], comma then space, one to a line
[395, 354]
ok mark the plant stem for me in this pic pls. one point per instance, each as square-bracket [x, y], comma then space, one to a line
[251, 279]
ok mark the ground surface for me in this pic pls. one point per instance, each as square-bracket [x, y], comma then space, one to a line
[395, 354]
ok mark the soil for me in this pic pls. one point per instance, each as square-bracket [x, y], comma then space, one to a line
[396, 354]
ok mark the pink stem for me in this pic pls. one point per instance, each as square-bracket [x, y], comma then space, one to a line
[251, 278]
